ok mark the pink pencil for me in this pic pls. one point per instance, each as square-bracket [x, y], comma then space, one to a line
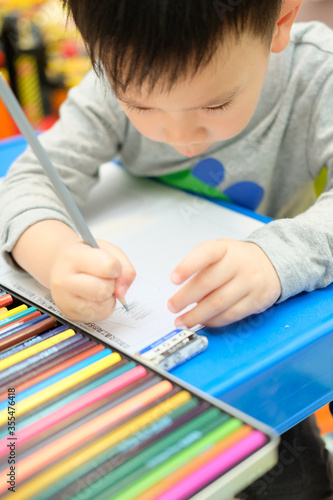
[69, 409]
[214, 468]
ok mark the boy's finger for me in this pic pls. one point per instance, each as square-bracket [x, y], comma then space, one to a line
[95, 261]
[89, 287]
[202, 256]
[236, 312]
[202, 284]
[127, 274]
[213, 305]
[78, 309]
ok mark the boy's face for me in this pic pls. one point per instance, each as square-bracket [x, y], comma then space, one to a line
[214, 105]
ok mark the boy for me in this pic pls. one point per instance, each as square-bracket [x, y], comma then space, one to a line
[182, 83]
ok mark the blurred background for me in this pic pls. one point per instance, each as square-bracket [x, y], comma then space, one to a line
[319, 10]
[42, 55]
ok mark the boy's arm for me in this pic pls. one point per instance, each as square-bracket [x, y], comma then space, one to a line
[301, 249]
[90, 132]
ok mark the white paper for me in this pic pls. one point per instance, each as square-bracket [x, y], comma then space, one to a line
[156, 226]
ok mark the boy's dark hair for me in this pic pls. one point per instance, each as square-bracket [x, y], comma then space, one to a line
[143, 40]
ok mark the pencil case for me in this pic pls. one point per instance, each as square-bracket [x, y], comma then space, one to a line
[80, 420]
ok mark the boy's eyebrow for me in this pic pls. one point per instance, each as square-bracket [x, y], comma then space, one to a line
[218, 100]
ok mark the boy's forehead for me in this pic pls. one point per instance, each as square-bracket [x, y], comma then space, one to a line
[222, 77]
[220, 80]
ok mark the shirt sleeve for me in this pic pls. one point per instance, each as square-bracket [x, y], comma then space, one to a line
[301, 249]
[90, 131]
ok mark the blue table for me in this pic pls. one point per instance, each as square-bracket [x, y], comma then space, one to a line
[9, 150]
[276, 366]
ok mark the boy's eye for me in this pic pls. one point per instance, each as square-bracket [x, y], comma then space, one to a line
[222, 107]
[137, 109]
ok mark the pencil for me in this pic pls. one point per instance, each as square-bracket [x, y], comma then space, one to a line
[93, 450]
[19, 356]
[12, 312]
[67, 443]
[28, 132]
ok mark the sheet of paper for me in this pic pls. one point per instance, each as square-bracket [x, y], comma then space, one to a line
[156, 226]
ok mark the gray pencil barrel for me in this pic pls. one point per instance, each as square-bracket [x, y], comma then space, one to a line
[28, 132]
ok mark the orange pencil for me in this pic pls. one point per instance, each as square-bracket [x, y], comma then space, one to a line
[6, 300]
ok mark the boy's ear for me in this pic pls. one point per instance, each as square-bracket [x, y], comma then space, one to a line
[281, 36]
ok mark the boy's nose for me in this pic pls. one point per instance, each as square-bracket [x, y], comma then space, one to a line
[185, 134]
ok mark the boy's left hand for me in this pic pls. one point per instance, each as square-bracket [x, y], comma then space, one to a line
[230, 280]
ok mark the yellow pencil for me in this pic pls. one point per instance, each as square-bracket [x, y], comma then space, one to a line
[34, 349]
[61, 386]
[13, 311]
[53, 474]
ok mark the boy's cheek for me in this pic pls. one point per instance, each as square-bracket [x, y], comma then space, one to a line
[151, 129]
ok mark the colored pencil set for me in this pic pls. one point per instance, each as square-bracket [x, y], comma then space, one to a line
[81, 421]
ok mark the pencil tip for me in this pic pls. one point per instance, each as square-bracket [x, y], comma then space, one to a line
[124, 304]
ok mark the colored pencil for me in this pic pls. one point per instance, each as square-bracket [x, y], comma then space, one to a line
[195, 464]
[12, 312]
[83, 416]
[88, 399]
[38, 484]
[27, 343]
[42, 396]
[21, 314]
[58, 377]
[162, 471]
[27, 367]
[6, 300]
[122, 453]
[58, 448]
[19, 322]
[103, 461]
[27, 332]
[160, 452]
[75, 357]
[16, 358]
[93, 382]
[215, 467]
[18, 328]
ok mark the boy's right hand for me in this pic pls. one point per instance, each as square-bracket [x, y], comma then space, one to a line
[85, 281]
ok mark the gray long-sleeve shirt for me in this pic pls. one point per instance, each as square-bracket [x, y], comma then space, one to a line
[270, 167]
